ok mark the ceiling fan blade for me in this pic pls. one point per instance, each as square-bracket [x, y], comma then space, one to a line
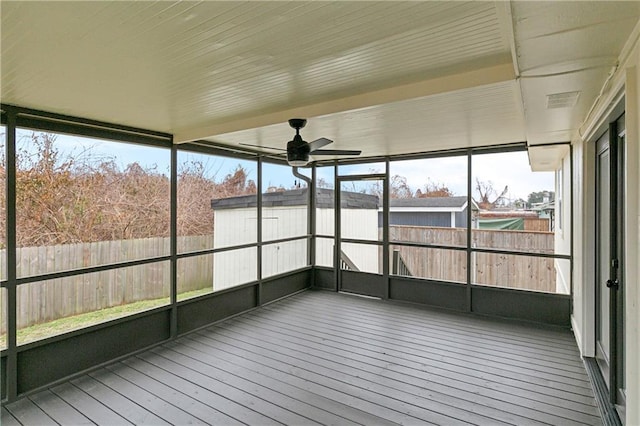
[263, 147]
[335, 152]
[318, 143]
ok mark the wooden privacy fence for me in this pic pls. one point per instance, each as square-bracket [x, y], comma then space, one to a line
[524, 272]
[52, 299]
[48, 300]
[538, 225]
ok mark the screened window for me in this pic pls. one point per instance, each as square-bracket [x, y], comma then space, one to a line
[56, 306]
[217, 203]
[84, 202]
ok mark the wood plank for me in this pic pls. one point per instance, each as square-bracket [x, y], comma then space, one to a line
[162, 390]
[500, 330]
[88, 406]
[274, 396]
[118, 403]
[272, 411]
[28, 413]
[420, 408]
[559, 340]
[58, 409]
[343, 414]
[465, 333]
[459, 360]
[7, 419]
[158, 406]
[284, 353]
[328, 358]
[199, 348]
[315, 351]
[366, 406]
[202, 394]
[415, 337]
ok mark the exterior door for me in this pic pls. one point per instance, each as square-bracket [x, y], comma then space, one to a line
[603, 255]
[609, 268]
[360, 261]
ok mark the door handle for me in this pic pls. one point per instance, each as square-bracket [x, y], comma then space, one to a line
[613, 284]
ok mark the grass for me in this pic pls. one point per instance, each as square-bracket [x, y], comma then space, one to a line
[75, 322]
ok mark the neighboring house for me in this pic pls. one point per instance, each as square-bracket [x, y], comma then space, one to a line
[284, 215]
[446, 212]
[515, 220]
[547, 211]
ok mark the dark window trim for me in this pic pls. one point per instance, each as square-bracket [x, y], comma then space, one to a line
[48, 121]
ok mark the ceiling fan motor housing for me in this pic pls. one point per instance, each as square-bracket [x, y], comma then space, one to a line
[297, 151]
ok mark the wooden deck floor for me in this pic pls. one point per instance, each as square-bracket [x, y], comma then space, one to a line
[326, 358]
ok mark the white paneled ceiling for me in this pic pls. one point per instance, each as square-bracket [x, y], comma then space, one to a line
[383, 77]
[564, 47]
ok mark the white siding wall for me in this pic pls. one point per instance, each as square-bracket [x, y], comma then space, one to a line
[628, 76]
[282, 257]
[283, 222]
[584, 247]
[324, 252]
[361, 224]
[632, 251]
[232, 268]
[234, 227]
[325, 221]
[364, 256]
[562, 239]
[356, 223]
[238, 226]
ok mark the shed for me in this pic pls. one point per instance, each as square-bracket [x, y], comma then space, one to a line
[284, 215]
[446, 212]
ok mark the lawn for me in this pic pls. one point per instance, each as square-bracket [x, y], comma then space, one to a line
[75, 322]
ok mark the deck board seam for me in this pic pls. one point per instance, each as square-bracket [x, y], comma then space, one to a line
[315, 343]
[583, 384]
[524, 406]
[464, 401]
[365, 329]
[437, 325]
[453, 321]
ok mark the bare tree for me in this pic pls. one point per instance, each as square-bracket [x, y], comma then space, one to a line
[85, 197]
[488, 197]
[434, 189]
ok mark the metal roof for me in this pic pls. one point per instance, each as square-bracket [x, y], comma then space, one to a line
[439, 202]
[298, 197]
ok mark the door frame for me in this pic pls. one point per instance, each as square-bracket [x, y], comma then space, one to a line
[384, 293]
[615, 274]
[603, 145]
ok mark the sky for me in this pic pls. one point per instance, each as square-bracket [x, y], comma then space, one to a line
[505, 169]
[511, 169]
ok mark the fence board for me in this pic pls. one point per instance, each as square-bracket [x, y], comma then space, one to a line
[512, 271]
[44, 301]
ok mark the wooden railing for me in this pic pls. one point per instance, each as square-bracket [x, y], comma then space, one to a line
[399, 267]
[346, 263]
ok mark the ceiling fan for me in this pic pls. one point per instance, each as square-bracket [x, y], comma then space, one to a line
[298, 150]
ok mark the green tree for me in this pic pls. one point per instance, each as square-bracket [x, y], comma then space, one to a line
[540, 197]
